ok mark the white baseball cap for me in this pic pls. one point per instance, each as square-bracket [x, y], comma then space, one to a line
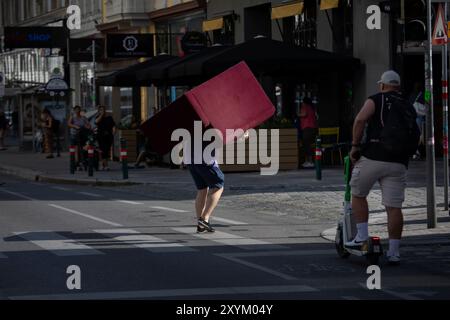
[391, 78]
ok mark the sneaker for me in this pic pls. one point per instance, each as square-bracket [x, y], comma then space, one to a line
[308, 165]
[203, 224]
[201, 230]
[355, 245]
[393, 260]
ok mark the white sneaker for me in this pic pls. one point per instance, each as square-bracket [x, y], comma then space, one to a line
[355, 245]
[308, 165]
[393, 260]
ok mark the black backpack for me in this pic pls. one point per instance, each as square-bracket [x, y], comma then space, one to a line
[400, 135]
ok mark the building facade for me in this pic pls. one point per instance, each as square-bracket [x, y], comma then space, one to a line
[333, 25]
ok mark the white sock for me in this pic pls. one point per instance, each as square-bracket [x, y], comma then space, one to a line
[363, 232]
[394, 248]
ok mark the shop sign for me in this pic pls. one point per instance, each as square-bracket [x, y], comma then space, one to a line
[35, 37]
[129, 45]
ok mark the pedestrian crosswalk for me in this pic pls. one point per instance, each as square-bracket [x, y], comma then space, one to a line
[105, 241]
[144, 241]
[57, 244]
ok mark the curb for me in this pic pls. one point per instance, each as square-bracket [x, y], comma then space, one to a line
[37, 176]
[20, 172]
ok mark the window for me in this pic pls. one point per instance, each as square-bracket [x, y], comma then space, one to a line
[170, 33]
[126, 102]
[415, 21]
[27, 9]
[343, 28]
[39, 7]
[55, 4]
[301, 30]
[225, 35]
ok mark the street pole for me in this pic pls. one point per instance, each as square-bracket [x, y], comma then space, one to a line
[445, 114]
[429, 100]
[94, 98]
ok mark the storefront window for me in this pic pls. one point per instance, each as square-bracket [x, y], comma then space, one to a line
[126, 102]
[107, 98]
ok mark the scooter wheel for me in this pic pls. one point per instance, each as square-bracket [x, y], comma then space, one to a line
[340, 244]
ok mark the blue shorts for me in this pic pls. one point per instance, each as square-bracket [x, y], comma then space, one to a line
[207, 176]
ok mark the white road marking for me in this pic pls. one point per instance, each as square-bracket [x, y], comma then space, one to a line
[281, 253]
[230, 239]
[258, 267]
[170, 209]
[237, 258]
[57, 244]
[19, 195]
[88, 194]
[129, 202]
[61, 189]
[143, 241]
[86, 215]
[172, 293]
[399, 295]
[228, 221]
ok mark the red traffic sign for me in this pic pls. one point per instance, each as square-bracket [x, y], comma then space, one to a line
[440, 33]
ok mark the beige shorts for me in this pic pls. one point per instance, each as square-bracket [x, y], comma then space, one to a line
[391, 176]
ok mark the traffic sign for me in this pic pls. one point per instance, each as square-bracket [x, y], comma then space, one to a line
[440, 35]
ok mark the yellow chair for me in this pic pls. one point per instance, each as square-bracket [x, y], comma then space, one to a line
[330, 141]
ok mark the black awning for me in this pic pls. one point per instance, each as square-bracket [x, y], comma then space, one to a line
[172, 72]
[266, 56]
[127, 77]
[157, 74]
[189, 70]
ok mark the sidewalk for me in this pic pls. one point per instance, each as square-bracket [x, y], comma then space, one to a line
[34, 166]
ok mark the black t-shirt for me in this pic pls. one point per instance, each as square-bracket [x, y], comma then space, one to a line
[105, 126]
[371, 148]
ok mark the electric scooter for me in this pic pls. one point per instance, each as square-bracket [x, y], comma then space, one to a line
[372, 250]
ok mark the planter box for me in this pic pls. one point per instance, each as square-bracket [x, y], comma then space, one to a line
[289, 155]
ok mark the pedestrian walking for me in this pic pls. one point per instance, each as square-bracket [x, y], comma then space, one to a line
[209, 180]
[4, 125]
[77, 124]
[47, 126]
[391, 139]
[106, 128]
[310, 129]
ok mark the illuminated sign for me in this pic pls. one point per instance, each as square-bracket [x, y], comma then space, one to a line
[35, 37]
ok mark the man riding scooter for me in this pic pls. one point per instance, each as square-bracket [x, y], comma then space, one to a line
[392, 137]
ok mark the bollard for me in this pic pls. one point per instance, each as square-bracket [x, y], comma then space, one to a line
[91, 152]
[72, 150]
[319, 158]
[124, 158]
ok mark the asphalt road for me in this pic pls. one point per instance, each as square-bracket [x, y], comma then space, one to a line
[131, 246]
